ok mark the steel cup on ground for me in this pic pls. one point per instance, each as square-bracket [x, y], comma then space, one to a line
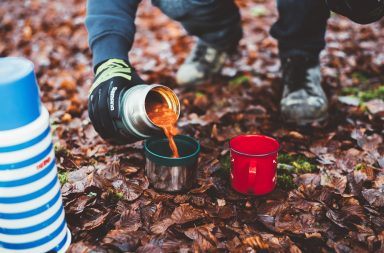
[171, 174]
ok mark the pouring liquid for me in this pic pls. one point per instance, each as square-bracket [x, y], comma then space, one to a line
[165, 118]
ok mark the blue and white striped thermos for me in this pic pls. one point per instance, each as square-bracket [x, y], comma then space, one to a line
[32, 216]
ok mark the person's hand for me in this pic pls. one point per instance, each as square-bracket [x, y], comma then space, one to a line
[113, 77]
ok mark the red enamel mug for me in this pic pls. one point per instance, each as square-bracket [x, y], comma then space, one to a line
[253, 164]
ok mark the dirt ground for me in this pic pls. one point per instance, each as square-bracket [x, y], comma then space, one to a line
[330, 194]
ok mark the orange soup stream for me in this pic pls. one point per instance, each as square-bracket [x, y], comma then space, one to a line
[165, 118]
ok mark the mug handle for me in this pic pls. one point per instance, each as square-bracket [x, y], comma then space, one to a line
[252, 171]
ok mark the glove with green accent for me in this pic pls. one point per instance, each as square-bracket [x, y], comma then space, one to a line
[113, 77]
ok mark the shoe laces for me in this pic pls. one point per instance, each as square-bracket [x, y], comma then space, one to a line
[295, 71]
[201, 53]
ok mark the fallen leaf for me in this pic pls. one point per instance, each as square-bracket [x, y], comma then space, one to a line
[256, 242]
[379, 181]
[375, 197]
[367, 143]
[294, 249]
[375, 107]
[333, 179]
[130, 221]
[130, 191]
[78, 206]
[98, 222]
[161, 226]
[186, 213]
[83, 247]
[122, 240]
[203, 236]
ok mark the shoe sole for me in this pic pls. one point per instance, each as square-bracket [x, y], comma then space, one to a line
[214, 74]
[308, 122]
[200, 82]
[190, 85]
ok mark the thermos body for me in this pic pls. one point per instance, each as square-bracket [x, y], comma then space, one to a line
[134, 122]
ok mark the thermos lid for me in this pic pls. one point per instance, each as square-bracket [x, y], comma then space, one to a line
[19, 93]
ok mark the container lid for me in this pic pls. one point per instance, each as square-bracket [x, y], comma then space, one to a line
[19, 93]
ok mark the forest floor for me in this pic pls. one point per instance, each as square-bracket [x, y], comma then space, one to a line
[330, 194]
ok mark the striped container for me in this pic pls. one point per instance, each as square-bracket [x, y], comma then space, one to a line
[32, 216]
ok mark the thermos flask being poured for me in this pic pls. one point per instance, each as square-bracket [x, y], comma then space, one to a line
[134, 123]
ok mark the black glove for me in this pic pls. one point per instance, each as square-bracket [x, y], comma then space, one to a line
[113, 77]
[359, 11]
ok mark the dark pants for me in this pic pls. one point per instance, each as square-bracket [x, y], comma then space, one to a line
[300, 29]
[216, 22]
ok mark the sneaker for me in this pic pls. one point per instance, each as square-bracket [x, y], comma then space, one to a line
[304, 101]
[203, 62]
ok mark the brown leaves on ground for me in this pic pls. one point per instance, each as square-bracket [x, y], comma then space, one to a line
[186, 213]
[122, 240]
[202, 236]
[161, 226]
[256, 242]
[110, 207]
[375, 197]
[183, 214]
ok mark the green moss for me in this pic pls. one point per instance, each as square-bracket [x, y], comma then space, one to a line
[119, 195]
[285, 182]
[365, 95]
[63, 177]
[297, 164]
[285, 158]
[225, 165]
[360, 166]
[238, 81]
[351, 91]
[361, 77]
[199, 94]
[60, 151]
[377, 93]
[302, 167]
[290, 165]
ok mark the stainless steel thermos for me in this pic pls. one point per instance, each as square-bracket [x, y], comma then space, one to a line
[135, 104]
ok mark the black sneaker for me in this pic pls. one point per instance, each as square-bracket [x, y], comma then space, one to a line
[203, 62]
[304, 101]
